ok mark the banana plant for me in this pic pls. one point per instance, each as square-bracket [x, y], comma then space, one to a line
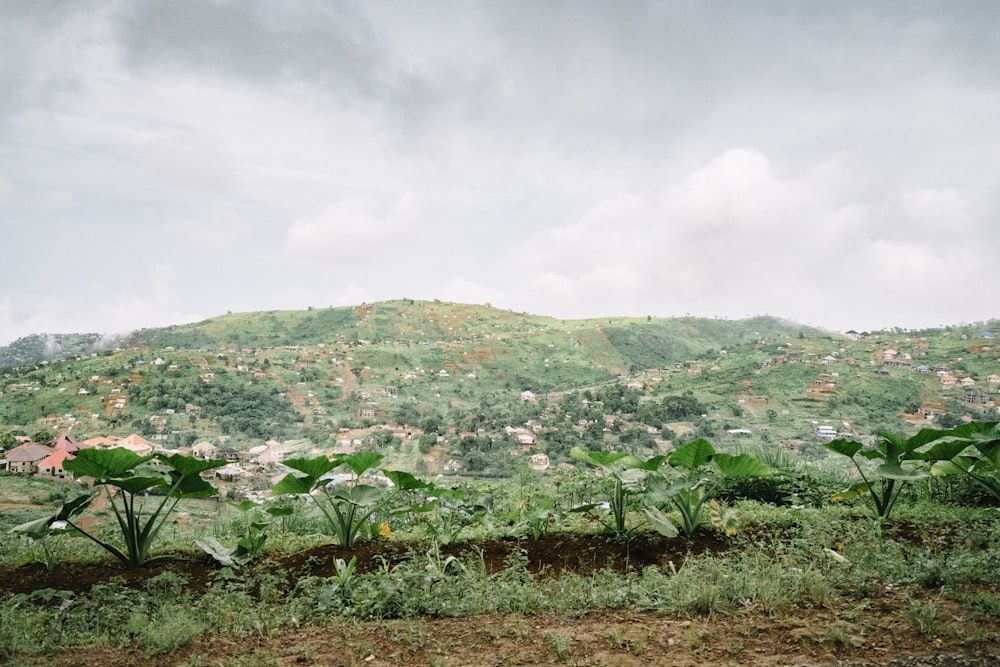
[132, 478]
[686, 483]
[626, 473]
[901, 459]
[347, 506]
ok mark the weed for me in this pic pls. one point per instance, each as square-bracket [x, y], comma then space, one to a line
[561, 644]
[925, 617]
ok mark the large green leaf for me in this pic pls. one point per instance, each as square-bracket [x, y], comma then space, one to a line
[846, 447]
[136, 485]
[660, 522]
[653, 463]
[899, 449]
[660, 489]
[361, 462]
[692, 455]
[290, 484]
[104, 464]
[602, 459]
[188, 465]
[894, 471]
[855, 491]
[188, 486]
[956, 465]
[313, 469]
[404, 481]
[942, 451]
[743, 465]
[362, 495]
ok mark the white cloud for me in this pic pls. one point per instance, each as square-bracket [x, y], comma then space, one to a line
[352, 230]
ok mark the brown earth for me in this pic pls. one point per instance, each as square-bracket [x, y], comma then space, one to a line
[877, 633]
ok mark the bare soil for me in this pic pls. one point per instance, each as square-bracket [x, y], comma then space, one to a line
[877, 633]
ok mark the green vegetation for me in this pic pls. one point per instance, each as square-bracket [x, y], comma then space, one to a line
[176, 477]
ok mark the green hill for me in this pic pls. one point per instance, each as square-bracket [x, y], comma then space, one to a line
[459, 370]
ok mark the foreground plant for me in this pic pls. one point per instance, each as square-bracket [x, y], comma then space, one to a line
[692, 473]
[901, 460]
[975, 452]
[348, 505]
[132, 478]
[250, 545]
[42, 531]
[626, 473]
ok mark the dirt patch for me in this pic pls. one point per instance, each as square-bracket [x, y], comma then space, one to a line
[817, 637]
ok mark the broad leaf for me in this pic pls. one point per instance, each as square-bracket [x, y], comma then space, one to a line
[225, 556]
[660, 522]
[601, 459]
[290, 484]
[188, 486]
[136, 485]
[894, 471]
[856, 491]
[692, 455]
[942, 451]
[188, 465]
[362, 495]
[361, 462]
[314, 468]
[743, 465]
[104, 464]
[846, 447]
[404, 481]
[654, 463]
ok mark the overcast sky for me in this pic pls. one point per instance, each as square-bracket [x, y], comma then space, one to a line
[833, 163]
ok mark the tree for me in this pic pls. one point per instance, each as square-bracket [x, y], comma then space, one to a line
[43, 437]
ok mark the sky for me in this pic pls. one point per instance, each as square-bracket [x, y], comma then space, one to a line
[831, 163]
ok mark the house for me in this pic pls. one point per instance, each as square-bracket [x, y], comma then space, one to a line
[993, 379]
[137, 444]
[52, 465]
[24, 459]
[64, 443]
[204, 450]
[976, 397]
[528, 397]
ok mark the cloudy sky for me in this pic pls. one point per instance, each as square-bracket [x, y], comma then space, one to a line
[834, 163]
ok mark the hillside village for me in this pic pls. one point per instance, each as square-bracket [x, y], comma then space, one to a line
[477, 391]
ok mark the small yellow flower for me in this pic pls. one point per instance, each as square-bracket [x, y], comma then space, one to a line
[384, 531]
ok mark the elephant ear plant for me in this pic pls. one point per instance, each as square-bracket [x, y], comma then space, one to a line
[901, 460]
[132, 478]
[350, 504]
[974, 451]
[625, 472]
[686, 484]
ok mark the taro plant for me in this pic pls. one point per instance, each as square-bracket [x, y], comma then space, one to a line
[134, 479]
[350, 504]
[972, 449]
[625, 473]
[901, 460]
[449, 512]
[538, 519]
[42, 531]
[686, 484]
[250, 545]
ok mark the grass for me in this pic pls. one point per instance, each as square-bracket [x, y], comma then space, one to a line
[781, 566]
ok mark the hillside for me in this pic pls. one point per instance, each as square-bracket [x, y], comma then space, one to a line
[479, 383]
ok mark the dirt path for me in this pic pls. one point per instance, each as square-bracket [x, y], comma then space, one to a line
[614, 639]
